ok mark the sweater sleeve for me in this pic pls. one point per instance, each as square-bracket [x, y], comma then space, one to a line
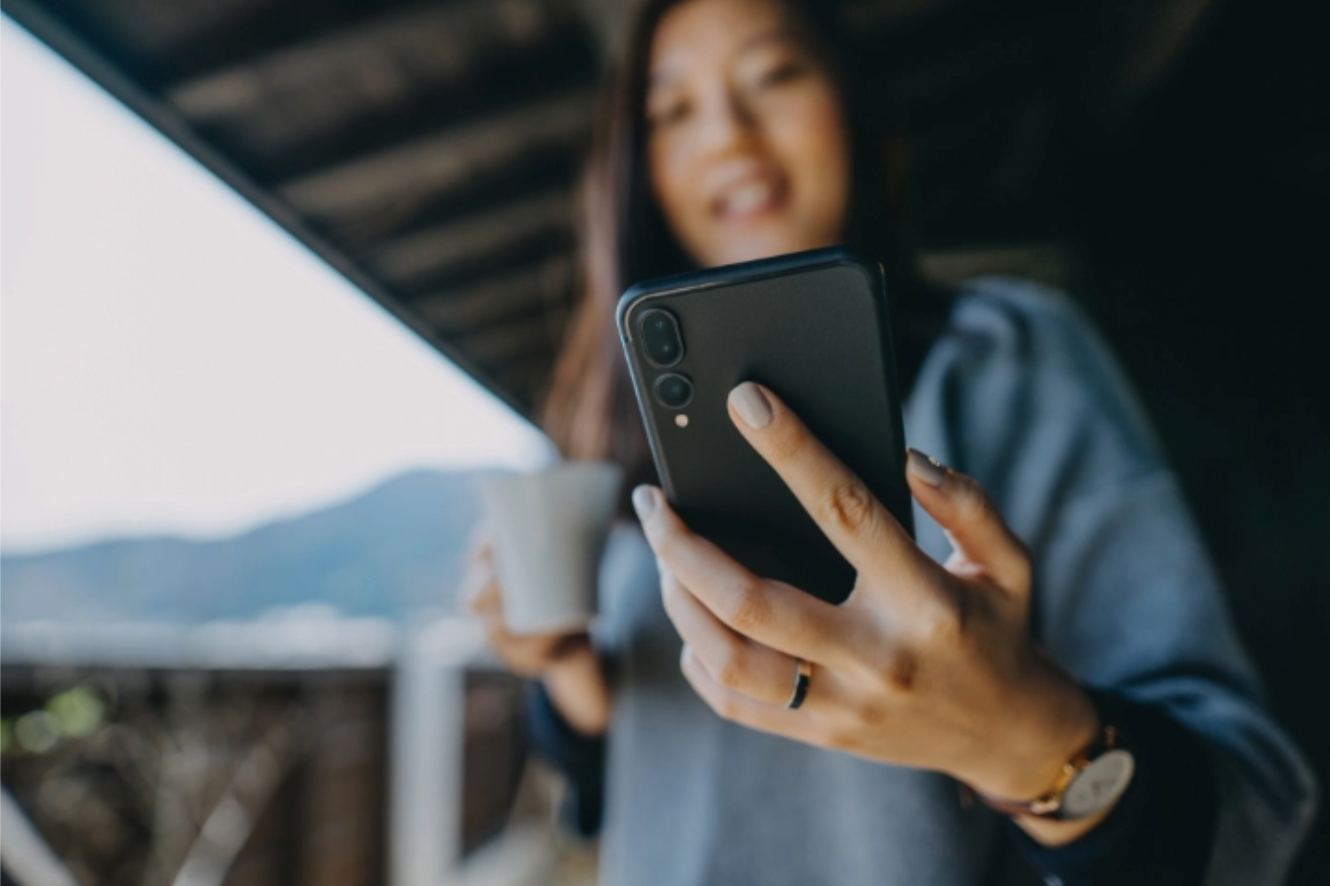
[1161, 831]
[1126, 597]
[1132, 604]
[580, 758]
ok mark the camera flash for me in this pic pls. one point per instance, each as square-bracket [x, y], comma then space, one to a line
[681, 420]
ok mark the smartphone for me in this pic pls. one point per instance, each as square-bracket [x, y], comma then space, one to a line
[814, 328]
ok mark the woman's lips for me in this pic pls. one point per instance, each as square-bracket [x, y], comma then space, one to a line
[750, 199]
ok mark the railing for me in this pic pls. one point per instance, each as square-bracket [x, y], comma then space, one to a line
[424, 687]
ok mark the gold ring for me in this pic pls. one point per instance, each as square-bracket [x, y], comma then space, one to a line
[803, 675]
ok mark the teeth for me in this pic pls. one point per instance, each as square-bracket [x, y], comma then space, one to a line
[749, 197]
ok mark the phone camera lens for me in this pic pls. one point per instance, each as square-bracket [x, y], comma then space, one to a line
[674, 391]
[661, 339]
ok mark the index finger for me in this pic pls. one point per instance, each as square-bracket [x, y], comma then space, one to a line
[480, 591]
[770, 612]
[848, 513]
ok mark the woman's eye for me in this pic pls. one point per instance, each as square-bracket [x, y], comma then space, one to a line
[781, 73]
[666, 115]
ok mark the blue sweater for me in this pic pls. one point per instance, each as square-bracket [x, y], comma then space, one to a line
[1020, 393]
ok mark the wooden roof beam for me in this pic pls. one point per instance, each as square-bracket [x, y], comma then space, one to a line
[437, 163]
[430, 252]
[500, 346]
[543, 288]
[294, 94]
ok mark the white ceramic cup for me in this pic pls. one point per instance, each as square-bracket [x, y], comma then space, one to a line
[549, 530]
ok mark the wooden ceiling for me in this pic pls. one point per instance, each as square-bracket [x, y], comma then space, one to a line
[428, 149]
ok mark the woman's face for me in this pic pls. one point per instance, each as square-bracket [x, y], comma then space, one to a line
[747, 146]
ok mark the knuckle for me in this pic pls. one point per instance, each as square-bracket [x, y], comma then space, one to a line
[749, 609]
[898, 672]
[975, 506]
[943, 624]
[902, 674]
[868, 713]
[730, 668]
[726, 706]
[849, 507]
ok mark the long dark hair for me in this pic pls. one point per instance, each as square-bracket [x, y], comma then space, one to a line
[590, 410]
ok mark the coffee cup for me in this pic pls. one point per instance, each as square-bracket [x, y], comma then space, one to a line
[549, 529]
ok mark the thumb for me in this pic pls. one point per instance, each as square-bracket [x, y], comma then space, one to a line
[972, 522]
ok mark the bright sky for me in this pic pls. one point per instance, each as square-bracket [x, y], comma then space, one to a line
[173, 361]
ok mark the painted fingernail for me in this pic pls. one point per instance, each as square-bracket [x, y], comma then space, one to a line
[751, 404]
[644, 502]
[925, 467]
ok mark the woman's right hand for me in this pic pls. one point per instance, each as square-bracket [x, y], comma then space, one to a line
[565, 661]
[527, 655]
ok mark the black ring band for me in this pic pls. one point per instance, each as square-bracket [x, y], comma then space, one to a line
[801, 681]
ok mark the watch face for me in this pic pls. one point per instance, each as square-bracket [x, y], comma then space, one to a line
[1098, 784]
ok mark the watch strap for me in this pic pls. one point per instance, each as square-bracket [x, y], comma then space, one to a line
[1049, 804]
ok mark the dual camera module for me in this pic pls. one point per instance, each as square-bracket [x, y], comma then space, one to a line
[663, 345]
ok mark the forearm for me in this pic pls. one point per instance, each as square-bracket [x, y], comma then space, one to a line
[577, 687]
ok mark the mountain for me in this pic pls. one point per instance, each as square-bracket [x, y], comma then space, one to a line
[391, 551]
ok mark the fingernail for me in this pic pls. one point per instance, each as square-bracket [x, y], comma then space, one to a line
[925, 467]
[644, 502]
[751, 404]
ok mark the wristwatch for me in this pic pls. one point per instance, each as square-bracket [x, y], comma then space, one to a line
[1090, 782]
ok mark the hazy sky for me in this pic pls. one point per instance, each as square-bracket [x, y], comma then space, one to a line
[171, 360]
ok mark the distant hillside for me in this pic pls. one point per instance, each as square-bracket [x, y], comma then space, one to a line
[394, 549]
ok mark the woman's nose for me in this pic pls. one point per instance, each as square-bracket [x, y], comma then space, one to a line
[728, 124]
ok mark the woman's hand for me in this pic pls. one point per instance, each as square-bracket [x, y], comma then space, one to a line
[565, 661]
[925, 665]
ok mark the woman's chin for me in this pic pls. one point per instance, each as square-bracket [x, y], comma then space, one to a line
[756, 244]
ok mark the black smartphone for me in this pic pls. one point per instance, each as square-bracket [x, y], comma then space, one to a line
[814, 328]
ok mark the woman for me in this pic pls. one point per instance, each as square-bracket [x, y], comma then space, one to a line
[1074, 610]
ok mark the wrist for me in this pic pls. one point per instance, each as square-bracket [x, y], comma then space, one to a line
[1055, 724]
[570, 654]
[576, 685]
